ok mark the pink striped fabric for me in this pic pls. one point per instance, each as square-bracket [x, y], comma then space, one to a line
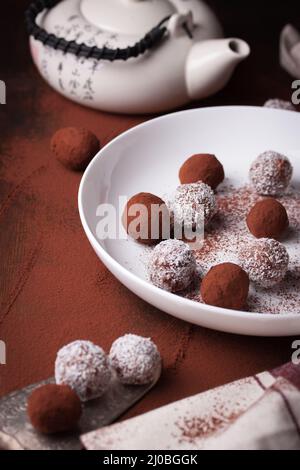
[255, 413]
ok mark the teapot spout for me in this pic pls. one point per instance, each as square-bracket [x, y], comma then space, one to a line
[211, 63]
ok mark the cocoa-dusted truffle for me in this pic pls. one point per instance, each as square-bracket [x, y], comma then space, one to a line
[83, 366]
[172, 266]
[74, 147]
[267, 219]
[271, 173]
[135, 359]
[146, 218]
[225, 285]
[265, 260]
[202, 167]
[53, 408]
[192, 203]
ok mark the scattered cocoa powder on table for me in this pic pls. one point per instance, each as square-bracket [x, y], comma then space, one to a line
[53, 287]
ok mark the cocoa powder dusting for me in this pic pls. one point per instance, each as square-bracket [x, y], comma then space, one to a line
[53, 287]
[228, 233]
[196, 427]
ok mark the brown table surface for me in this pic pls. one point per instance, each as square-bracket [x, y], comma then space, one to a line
[53, 287]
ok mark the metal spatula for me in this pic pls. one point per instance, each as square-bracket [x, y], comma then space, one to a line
[16, 432]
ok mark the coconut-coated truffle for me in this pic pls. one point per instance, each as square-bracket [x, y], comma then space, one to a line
[83, 366]
[135, 359]
[202, 167]
[226, 285]
[271, 173]
[194, 203]
[265, 261]
[172, 266]
[147, 219]
[53, 409]
[268, 219]
[276, 103]
[75, 147]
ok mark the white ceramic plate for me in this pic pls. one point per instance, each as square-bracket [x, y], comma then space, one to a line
[147, 158]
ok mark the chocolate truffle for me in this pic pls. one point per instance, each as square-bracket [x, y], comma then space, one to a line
[225, 285]
[84, 367]
[135, 359]
[265, 261]
[53, 408]
[276, 103]
[194, 203]
[172, 266]
[146, 218]
[74, 147]
[267, 219]
[202, 167]
[271, 173]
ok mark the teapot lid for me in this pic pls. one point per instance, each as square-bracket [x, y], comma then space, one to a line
[126, 16]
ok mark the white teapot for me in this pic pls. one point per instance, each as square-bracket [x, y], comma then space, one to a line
[131, 56]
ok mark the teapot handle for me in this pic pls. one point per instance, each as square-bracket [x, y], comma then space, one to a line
[151, 39]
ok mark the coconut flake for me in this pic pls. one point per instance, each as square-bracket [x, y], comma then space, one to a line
[276, 103]
[172, 265]
[192, 201]
[265, 260]
[271, 173]
[84, 367]
[135, 359]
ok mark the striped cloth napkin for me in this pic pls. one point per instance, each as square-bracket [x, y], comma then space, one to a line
[259, 412]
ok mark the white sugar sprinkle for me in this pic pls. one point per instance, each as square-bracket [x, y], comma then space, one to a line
[265, 260]
[135, 359]
[192, 200]
[271, 173]
[276, 103]
[172, 265]
[84, 367]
